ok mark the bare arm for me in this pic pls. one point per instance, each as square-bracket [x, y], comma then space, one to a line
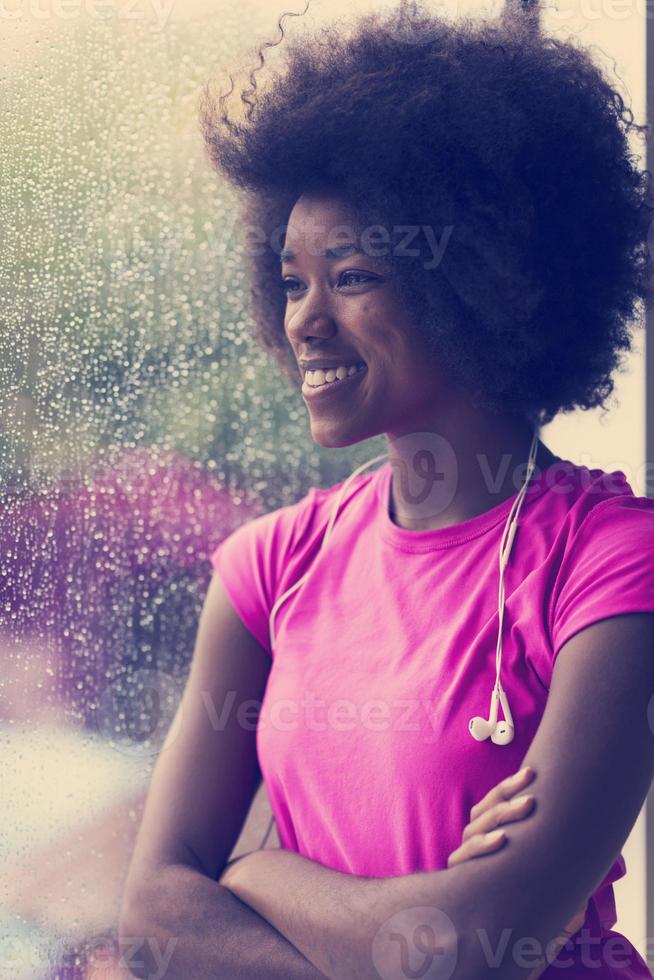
[202, 786]
[593, 756]
[193, 927]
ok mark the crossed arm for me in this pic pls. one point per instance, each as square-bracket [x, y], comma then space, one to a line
[593, 757]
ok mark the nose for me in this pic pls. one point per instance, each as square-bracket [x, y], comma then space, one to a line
[308, 318]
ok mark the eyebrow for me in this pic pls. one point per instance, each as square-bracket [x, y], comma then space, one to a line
[287, 254]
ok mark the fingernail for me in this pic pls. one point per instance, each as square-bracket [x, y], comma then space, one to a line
[520, 801]
[527, 771]
[493, 836]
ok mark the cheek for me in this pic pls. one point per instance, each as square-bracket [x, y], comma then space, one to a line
[396, 349]
[389, 339]
[382, 333]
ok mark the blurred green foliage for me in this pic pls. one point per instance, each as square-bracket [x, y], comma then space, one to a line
[122, 274]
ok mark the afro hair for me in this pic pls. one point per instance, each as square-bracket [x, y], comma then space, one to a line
[512, 140]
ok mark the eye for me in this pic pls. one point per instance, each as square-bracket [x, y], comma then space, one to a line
[357, 275]
[286, 284]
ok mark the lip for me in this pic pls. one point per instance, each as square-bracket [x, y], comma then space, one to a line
[333, 388]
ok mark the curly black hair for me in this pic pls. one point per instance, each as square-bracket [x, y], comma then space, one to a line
[513, 139]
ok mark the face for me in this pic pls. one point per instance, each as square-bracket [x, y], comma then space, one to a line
[344, 308]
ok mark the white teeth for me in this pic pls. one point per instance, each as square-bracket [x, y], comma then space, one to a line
[318, 378]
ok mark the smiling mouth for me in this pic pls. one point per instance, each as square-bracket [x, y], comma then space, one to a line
[322, 377]
[335, 386]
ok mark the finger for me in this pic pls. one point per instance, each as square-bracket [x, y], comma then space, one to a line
[539, 970]
[502, 813]
[475, 847]
[503, 791]
[553, 949]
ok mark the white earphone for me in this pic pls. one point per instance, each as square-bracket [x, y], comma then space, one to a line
[501, 732]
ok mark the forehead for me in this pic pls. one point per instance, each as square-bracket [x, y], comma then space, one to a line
[325, 219]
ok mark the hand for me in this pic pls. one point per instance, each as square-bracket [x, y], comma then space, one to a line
[492, 811]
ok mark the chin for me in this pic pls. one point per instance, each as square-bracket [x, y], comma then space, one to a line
[333, 440]
[335, 437]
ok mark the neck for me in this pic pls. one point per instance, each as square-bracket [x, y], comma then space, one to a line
[438, 481]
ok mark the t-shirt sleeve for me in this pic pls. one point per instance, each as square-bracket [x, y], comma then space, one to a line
[608, 569]
[251, 561]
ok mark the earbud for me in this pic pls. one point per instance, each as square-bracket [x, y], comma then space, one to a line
[480, 728]
[504, 730]
[503, 733]
[500, 732]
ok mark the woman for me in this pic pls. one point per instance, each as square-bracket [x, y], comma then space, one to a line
[463, 245]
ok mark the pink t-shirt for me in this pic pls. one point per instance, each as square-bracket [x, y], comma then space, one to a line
[387, 650]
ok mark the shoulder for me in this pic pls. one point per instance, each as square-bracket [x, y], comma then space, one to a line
[294, 530]
[603, 561]
[253, 562]
[273, 532]
[350, 500]
[601, 502]
[580, 498]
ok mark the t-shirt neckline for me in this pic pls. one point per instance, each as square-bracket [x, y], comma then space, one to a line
[446, 537]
